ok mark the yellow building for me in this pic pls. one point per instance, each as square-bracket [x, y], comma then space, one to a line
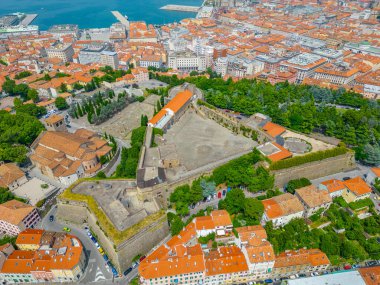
[356, 189]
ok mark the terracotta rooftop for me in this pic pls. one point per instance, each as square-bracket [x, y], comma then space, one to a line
[273, 129]
[9, 172]
[14, 211]
[333, 185]
[311, 257]
[357, 186]
[282, 205]
[313, 197]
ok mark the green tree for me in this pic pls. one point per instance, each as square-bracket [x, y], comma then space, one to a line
[33, 95]
[32, 110]
[295, 184]
[234, 201]
[23, 74]
[253, 210]
[61, 103]
[63, 88]
[372, 154]
[175, 223]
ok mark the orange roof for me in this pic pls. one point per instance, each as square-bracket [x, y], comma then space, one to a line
[14, 211]
[174, 105]
[280, 155]
[29, 236]
[376, 171]
[370, 275]
[357, 186]
[225, 260]
[333, 185]
[311, 257]
[204, 223]
[282, 205]
[54, 119]
[221, 218]
[273, 129]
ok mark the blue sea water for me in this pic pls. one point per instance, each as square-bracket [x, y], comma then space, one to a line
[96, 13]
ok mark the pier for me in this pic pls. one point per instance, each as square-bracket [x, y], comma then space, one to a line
[121, 18]
[181, 8]
[29, 18]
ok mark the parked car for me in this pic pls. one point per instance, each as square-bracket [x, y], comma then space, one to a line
[114, 272]
[127, 271]
[347, 267]
[135, 264]
[105, 257]
[302, 275]
[268, 281]
[142, 258]
[51, 218]
[66, 229]
[93, 239]
[346, 178]
[371, 263]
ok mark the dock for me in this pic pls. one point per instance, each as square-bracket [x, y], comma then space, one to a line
[122, 19]
[29, 18]
[181, 8]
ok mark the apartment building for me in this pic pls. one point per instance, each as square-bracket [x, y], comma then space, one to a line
[68, 156]
[356, 189]
[101, 54]
[257, 250]
[335, 187]
[303, 260]
[219, 222]
[282, 209]
[151, 60]
[187, 61]
[64, 30]
[304, 63]
[62, 51]
[11, 176]
[16, 216]
[44, 257]
[313, 199]
[340, 74]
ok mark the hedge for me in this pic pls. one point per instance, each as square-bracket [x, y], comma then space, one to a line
[315, 156]
[104, 222]
[203, 103]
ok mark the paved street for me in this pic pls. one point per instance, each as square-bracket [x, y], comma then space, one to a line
[96, 269]
[359, 171]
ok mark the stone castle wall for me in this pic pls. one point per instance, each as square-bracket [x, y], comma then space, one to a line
[315, 169]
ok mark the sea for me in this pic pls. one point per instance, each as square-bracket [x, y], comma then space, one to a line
[96, 13]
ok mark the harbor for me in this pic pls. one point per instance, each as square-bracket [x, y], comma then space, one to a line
[122, 19]
[181, 8]
[29, 18]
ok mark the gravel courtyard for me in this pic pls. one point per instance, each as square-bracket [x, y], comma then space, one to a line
[202, 141]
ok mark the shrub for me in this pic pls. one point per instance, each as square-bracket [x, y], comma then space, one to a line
[295, 184]
[315, 156]
[361, 204]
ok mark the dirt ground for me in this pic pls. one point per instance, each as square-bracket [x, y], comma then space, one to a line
[200, 141]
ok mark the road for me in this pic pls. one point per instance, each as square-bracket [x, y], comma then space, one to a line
[96, 269]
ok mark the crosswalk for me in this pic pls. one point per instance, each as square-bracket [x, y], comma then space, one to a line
[99, 276]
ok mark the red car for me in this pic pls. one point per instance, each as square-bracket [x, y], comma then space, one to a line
[347, 267]
[142, 258]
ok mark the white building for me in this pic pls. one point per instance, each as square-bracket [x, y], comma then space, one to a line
[373, 174]
[187, 61]
[62, 51]
[282, 209]
[16, 216]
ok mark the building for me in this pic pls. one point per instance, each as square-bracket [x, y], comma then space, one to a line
[64, 30]
[141, 32]
[172, 111]
[140, 74]
[44, 257]
[151, 61]
[187, 61]
[373, 174]
[371, 275]
[11, 176]
[68, 156]
[305, 64]
[335, 187]
[303, 260]
[182, 260]
[257, 250]
[356, 189]
[219, 222]
[16, 216]
[101, 54]
[55, 123]
[62, 51]
[340, 74]
[282, 209]
[338, 278]
[313, 200]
